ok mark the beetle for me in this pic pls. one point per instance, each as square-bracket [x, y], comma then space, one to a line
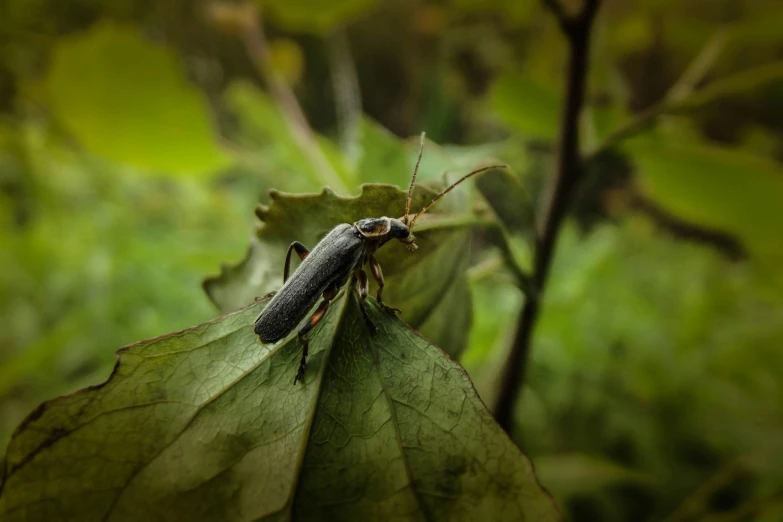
[340, 255]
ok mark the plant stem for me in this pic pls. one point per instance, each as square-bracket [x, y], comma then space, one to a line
[577, 30]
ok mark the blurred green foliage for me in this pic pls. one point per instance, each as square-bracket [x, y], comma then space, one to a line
[136, 139]
[95, 256]
[124, 99]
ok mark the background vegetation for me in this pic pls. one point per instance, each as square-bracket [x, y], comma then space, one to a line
[136, 138]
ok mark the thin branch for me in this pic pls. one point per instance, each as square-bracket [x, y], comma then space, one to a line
[486, 269]
[733, 84]
[567, 177]
[252, 34]
[699, 67]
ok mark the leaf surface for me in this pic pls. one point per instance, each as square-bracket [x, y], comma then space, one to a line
[205, 424]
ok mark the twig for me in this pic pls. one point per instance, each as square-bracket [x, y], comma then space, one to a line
[719, 89]
[487, 268]
[699, 67]
[255, 43]
[577, 29]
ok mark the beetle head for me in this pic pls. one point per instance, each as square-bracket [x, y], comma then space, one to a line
[399, 230]
[385, 228]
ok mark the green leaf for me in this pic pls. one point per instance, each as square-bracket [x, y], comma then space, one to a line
[531, 108]
[415, 283]
[126, 99]
[715, 187]
[205, 424]
[314, 16]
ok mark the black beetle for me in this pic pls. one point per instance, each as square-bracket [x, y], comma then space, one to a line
[339, 255]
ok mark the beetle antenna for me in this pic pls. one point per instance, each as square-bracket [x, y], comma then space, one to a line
[413, 180]
[451, 187]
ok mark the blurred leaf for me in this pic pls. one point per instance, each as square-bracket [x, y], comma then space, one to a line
[573, 474]
[125, 99]
[715, 187]
[526, 106]
[761, 25]
[101, 256]
[516, 238]
[415, 282]
[645, 347]
[387, 158]
[631, 33]
[265, 131]
[505, 194]
[384, 156]
[204, 424]
[314, 16]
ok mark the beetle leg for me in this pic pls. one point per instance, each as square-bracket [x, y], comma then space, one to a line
[308, 325]
[301, 251]
[360, 279]
[377, 273]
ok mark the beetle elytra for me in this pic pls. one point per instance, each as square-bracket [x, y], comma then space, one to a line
[340, 255]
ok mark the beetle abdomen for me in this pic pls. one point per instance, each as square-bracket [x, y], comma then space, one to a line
[328, 264]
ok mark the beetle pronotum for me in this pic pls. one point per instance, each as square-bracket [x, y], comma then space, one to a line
[341, 254]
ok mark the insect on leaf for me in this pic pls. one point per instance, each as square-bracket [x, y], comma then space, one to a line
[205, 424]
[416, 283]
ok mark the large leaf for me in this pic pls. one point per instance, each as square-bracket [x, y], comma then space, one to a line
[205, 424]
[415, 283]
[126, 99]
